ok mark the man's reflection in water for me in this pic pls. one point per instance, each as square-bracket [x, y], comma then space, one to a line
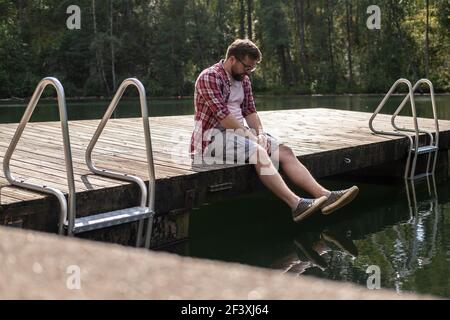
[310, 248]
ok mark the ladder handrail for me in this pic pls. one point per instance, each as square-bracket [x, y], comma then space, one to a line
[433, 104]
[383, 102]
[433, 142]
[412, 143]
[148, 145]
[67, 209]
[433, 146]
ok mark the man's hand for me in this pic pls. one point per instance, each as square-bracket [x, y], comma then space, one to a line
[264, 142]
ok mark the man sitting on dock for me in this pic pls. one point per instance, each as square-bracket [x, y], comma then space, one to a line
[223, 100]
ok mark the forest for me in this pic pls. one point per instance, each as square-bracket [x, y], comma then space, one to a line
[308, 46]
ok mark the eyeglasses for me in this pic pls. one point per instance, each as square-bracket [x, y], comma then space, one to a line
[247, 68]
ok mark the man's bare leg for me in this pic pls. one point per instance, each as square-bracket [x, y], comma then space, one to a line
[270, 177]
[298, 173]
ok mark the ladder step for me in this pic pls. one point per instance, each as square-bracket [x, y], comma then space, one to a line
[111, 218]
[425, 149]
[421, 176]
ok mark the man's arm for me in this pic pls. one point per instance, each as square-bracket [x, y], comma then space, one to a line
[254, 122]
[208, 86]
[230, 122]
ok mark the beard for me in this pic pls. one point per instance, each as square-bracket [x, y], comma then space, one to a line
[237, 76]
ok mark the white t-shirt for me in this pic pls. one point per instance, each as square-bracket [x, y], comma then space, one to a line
[236, 98]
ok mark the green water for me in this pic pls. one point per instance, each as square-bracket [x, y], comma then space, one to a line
[409, 243]
[94, 109]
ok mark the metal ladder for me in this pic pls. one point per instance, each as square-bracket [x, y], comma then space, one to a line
[411, 196]
[141, 212]
[414, 149]
[418, 212]
[67, 208]
[68, 223]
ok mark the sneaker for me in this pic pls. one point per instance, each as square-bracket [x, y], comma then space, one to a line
[338, 199]
[306, 207]
[306, 253]
[340, 241]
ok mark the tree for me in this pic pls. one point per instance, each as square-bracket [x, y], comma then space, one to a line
[427, 24]
[97, 45]
[348, 20]
[111, 35]
[308, 46]
[249, 19]
[241, 19]
[275, 38]
[300, 20]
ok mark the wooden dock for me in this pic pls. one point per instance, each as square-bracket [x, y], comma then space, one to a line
[327, 141]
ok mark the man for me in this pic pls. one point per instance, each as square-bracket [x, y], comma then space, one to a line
[223, 99]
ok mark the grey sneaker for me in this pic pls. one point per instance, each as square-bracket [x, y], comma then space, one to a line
[305, 252]
[338, 199]
[344, 243]
[306, 207]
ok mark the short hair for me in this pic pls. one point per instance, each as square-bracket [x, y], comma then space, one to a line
[241, 48]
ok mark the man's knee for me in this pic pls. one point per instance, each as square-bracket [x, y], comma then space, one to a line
[260, 156]
[286, 152]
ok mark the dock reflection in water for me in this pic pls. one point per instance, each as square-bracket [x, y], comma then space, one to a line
[402, 228]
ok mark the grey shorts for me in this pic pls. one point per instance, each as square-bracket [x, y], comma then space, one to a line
[229, 147]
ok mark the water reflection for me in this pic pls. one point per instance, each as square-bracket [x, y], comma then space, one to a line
[415, 245]
[310, 247]
[403, 228]
[401, 238]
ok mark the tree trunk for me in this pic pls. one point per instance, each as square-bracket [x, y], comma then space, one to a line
[249, 19]
[330, 40]
[349, 42]
[197, 35]
[241, 19]
[356, 28]
[113, 58]
[292, 74]
[427, 26]
[284, 71]
[98, 55]
[24, 17]
[299, 13]
[126, 8]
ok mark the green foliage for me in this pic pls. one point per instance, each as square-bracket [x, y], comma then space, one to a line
[166, 44]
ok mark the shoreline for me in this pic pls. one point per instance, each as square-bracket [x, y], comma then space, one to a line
[256, 95]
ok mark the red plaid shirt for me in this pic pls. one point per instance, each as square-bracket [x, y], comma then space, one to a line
[212, 90]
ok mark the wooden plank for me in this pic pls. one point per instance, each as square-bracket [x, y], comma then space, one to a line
[113, 149]
[312, 134]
